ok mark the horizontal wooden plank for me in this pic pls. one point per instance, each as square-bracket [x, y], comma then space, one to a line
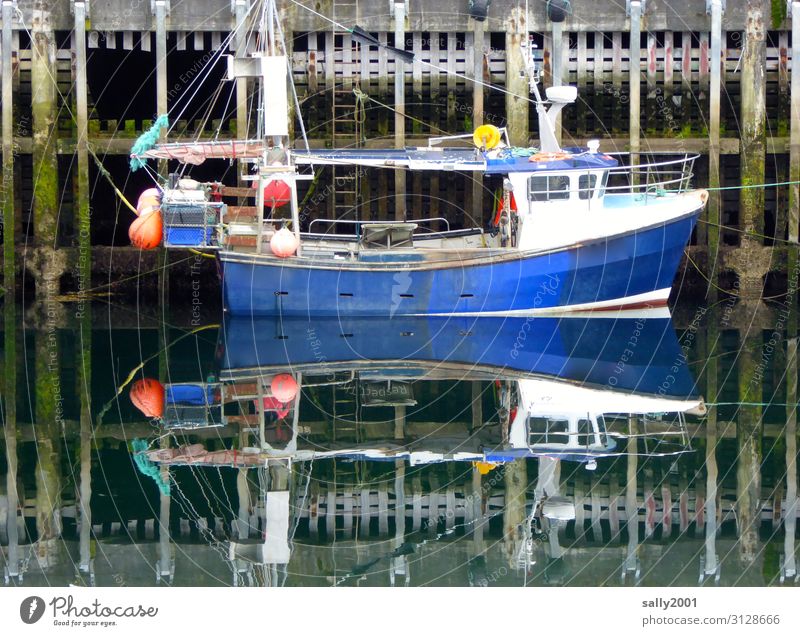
[241, 214]
[241, 241]
[233, 191]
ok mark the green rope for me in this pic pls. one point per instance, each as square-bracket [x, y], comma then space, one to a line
[757, 185]
[749, 404]
[147, 467]
[146, 141]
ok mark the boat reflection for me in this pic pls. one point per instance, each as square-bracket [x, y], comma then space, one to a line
[550, 388]
[554, 384]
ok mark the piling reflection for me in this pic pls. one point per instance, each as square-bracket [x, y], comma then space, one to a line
[460, 451]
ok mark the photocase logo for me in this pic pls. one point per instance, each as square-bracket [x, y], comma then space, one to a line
[31, 609]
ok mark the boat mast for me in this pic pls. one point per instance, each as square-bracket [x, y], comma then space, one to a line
[547, 118]
[275, 162]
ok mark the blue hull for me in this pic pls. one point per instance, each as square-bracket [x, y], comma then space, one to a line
[606, 270]
[628, 354]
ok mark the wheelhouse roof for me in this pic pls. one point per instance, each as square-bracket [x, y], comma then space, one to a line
[498, 161]
[514, 160]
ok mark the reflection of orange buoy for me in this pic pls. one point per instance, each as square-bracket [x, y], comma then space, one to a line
[277, 193]
[149, 201]
[283, 243]
[284, 387]
[148, 396]
[145, 232]
[484, 468]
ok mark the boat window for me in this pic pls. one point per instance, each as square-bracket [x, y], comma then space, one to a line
[585, 432]
[543, 430]
[586, 183]
[603, 184]
[548, 188]
[601, 429]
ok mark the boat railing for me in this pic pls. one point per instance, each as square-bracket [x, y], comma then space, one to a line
[653, 178]
[360, 224]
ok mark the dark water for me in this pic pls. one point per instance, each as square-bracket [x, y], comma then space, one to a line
[373, 517]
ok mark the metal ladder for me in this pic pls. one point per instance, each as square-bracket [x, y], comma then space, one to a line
[346, 113]
[345, 411]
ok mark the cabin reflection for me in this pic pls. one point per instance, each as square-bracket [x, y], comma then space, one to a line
[358, 480]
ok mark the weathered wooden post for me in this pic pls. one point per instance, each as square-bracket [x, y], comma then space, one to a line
[748, 437]
[478, 55]
[43, 106]
[714, 210]
[47, 398]
[9, 382]
[84, 275]
[399, 109]
[7, 212]
[514, 514]
[794, 141]
[516, 79]
[789, 568]
[240, 43]
[753, 120]
[635, 11]
[711, 562]
[631, 562]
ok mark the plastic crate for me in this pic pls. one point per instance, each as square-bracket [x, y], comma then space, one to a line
[181, 236]
[191, 417]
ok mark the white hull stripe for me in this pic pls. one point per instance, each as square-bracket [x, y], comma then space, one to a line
[652, 304]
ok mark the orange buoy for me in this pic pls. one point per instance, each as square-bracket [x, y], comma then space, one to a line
[277, 193]
[284, 243]
[284, 387]
[145, 232]
[147, 395]
[149, 201]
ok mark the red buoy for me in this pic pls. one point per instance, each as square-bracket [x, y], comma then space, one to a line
[147, 395]
[284, 387]
[277, 193]
[145, 232]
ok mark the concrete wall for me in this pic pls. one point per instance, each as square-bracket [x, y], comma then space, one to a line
[424, 15]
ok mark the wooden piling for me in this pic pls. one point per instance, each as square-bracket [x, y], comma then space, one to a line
[517, 101]
[7, 192]
[748, 437]
[634, 80]
[43, 106]
[399, 111]
[8, 402]
[631, 503]
[794, 140]
[477, 115]
[514, 515]
[753, 121]
[84, 270]
[714, 208]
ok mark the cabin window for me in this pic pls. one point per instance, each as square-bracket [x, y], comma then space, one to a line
[543, 430]
[585, 432]
[586, 183]
[603, 184]
[548, 188]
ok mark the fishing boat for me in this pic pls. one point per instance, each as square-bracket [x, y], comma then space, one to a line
[578, 230]
[563, 390]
